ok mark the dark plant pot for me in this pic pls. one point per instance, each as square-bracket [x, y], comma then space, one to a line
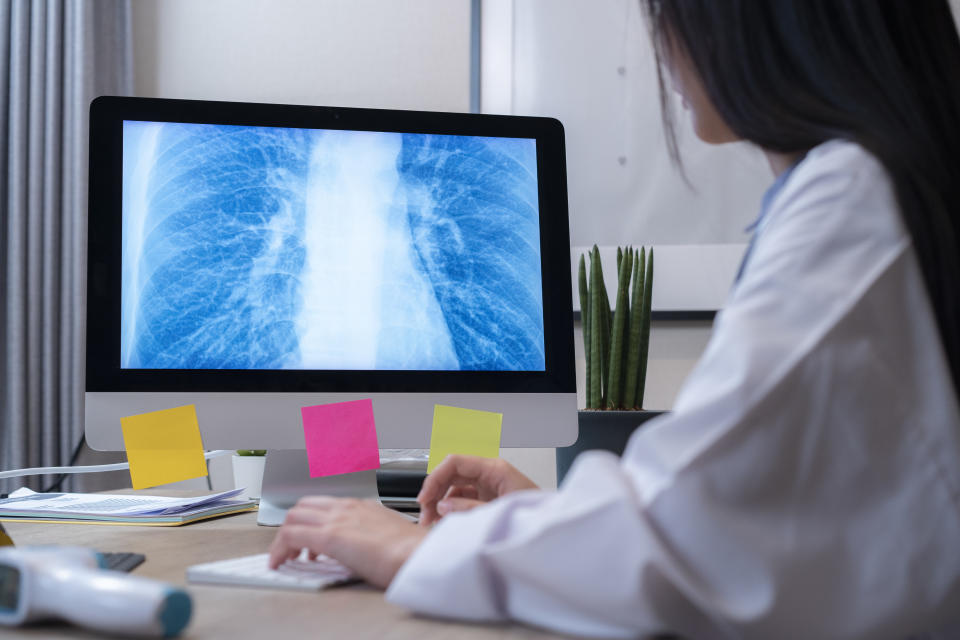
[606, 430]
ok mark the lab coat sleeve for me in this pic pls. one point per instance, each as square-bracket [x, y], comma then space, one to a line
[552, 559]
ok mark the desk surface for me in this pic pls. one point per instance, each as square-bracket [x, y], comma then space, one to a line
[356, 611]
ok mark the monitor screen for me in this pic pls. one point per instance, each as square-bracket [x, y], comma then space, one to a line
[254, 259]
[266, 248]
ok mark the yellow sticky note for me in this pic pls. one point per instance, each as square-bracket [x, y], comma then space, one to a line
[463, 431]
[163, 446]
[5, 540]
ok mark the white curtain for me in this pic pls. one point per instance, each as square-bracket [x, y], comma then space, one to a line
[55, 56]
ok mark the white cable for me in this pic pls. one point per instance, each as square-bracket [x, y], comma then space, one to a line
[93, 468]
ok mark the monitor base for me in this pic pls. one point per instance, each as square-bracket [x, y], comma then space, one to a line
[286, 479]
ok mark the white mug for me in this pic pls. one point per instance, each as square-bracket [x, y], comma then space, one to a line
[248, 472]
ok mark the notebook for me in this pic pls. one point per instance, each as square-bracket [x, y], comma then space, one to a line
[25, 505]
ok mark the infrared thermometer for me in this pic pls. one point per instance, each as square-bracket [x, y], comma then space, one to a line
[68, 583]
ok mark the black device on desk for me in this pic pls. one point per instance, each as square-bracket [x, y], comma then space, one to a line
[116, 561]
[398, 488]
[122, 560]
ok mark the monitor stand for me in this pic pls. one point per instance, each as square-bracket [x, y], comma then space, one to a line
[286, 479]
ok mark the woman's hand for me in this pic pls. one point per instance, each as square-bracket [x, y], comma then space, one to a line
[366, 537]
[464, 482]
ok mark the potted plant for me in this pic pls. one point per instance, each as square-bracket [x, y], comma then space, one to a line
[616, 343]
[248, 471]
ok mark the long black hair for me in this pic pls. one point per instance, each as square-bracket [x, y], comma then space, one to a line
[788, 75]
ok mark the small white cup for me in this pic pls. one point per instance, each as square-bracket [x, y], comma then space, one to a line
[248, 472]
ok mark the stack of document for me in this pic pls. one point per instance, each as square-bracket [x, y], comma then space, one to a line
[108, 508]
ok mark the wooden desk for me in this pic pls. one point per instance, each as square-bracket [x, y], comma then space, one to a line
[356, 611]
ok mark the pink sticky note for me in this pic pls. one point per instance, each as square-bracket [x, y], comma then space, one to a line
[340, 438]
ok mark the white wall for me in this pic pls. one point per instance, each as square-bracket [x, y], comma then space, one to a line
[404, 54]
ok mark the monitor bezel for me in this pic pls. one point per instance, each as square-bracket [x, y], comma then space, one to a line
[103, 370]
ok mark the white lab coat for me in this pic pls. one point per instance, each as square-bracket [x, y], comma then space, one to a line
[806, 484]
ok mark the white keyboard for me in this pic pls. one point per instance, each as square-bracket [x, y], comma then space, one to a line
[252, 571]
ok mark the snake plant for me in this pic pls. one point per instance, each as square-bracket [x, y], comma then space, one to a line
[616, 342]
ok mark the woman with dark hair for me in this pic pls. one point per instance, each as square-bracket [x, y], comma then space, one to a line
[807, 482]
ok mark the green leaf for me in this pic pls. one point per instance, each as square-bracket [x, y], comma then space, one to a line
[584, 306]
[595, 362]
[645, 329]
[615, 390]
[604, 324]
[633, 343]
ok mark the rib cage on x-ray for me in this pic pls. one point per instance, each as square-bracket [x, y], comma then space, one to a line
[270, 248]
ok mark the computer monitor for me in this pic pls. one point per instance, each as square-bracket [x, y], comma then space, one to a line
[253, 259]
